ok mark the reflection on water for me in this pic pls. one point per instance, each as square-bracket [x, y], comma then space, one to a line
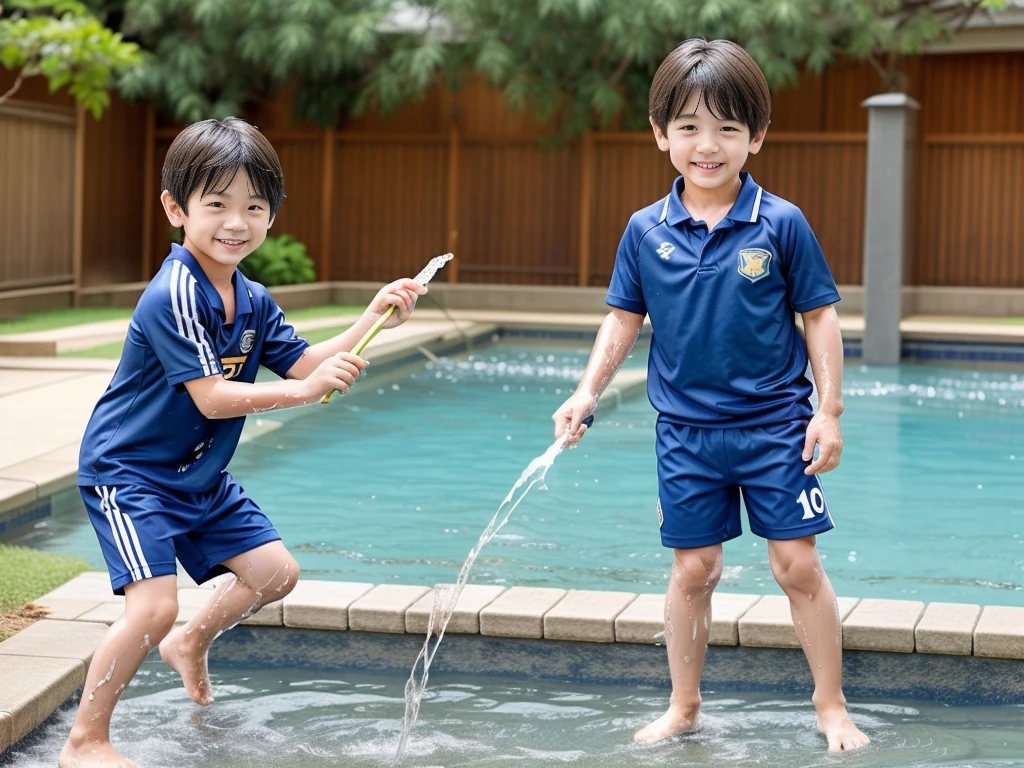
[285, 717]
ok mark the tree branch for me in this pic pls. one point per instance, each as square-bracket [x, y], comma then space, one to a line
[14, 88]
[877, 66]
[621, 68]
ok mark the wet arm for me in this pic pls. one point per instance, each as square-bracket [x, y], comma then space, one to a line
[615, 339]
[218, 398]
[825, 350]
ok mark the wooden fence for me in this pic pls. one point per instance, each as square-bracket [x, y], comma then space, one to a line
[376, 196]
[37, 195]
[374, 206]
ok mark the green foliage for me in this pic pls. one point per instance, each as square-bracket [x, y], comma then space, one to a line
[591, 62]
[26, 574]
[579, 64]
[279, 261]
[209, 58]
[881, 31]
[63, 42]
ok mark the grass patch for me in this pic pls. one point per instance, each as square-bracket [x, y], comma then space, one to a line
[112, 351]
[61, 318]
[64, 318]
[25, 574]
[325, 310]
[323, 334]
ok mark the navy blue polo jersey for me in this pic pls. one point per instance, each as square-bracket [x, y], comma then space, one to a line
[725, 351]
[145, 428]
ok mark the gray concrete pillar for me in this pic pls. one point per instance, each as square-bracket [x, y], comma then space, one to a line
[891, 127]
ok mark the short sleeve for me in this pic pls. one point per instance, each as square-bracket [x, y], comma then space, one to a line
[171, 321]
[809, 281]
[624, 289]
[282, 347]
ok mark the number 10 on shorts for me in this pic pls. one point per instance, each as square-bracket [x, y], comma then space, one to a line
[812, 503]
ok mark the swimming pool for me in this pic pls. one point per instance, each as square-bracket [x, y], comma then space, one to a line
[395, 482]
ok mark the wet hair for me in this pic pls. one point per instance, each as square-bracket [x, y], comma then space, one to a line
[720, 73]
[208, 155]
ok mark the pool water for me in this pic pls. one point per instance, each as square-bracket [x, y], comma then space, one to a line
[395, 482]
[289, 717]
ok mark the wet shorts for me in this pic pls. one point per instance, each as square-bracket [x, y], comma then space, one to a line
[142, 529]
[703, 472]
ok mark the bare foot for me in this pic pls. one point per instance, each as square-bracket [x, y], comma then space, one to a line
[185, 658]
[92, 755]
[840, 731]
[677, 721]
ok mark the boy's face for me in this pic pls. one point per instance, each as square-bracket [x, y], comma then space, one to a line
[222, 228]
[707, 151]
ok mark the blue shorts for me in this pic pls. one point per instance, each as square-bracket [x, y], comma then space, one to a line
[703, 472]
[142, 529]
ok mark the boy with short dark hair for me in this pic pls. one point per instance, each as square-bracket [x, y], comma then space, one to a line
[720, 266]
[152, 469]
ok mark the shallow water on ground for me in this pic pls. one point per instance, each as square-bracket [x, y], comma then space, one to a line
[292, 718]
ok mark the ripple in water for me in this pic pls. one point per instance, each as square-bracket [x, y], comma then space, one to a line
[298, 719]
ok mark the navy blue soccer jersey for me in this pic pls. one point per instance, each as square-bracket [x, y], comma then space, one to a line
[725, 351]
[145, 428]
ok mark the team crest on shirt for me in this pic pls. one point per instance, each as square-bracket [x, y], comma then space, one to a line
[664, 250]
[754, 263]
[247, 342]
[233, 365]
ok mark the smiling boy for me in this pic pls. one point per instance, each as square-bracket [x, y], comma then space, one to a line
[152, 469]
[721, 267]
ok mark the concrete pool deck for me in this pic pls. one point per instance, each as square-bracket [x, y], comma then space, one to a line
[46, 401]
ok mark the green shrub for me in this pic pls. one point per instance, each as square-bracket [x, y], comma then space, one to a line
[279, 261]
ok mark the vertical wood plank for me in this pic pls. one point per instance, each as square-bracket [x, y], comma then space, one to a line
[326, 205]
[149, 190]
[586, 206]
[452, 206]
[78, 228]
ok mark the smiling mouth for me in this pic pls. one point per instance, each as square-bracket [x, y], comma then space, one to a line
[708, 166]
[231, 242]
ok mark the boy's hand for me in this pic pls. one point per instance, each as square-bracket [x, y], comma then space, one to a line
[338, 372]
[824, 431]
[401, 295]
[569, 417]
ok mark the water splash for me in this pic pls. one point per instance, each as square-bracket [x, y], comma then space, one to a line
[447, 595]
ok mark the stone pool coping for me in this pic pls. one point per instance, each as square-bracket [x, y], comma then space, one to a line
[45, 664]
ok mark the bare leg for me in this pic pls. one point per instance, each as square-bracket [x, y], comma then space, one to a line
[812, 602]
[262, 575]
[151, 607]
[695, 574]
